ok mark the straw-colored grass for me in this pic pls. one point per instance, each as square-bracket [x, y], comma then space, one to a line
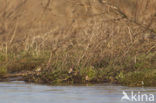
[77, 41]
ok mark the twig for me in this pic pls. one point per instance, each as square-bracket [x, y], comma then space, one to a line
[14, 33]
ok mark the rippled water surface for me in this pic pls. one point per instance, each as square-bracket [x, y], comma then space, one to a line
[20, 92]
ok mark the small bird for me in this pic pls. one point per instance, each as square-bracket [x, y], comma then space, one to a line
[142, 83]
[87, 78]
[38, 69]
[70, 70]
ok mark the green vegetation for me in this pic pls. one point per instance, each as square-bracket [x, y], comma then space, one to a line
[88, 43]
[56, 69]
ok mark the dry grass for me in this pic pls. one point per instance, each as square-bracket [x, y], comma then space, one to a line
[94, 40]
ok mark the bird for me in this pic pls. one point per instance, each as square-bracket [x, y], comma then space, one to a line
[38, 69]
[87, 78]
[70, 70]
[142, 82]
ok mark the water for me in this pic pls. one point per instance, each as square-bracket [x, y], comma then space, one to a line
[20, 92]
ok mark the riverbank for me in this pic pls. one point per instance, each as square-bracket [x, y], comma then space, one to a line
[45, 70]
[90, 42]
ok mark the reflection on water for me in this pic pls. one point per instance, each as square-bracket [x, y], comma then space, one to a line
[20, 92]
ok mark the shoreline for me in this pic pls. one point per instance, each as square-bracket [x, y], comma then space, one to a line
[29, 77]
[78, 41]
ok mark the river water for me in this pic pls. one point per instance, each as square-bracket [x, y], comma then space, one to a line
[21, 92]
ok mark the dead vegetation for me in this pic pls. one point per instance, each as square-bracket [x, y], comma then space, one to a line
[95, 39]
